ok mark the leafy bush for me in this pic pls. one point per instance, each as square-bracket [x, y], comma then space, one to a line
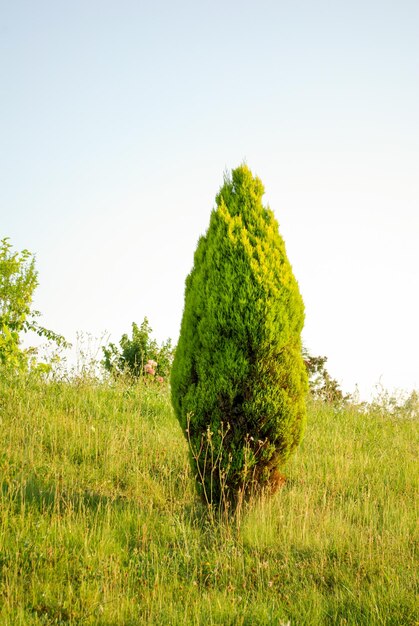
[322, 386]
[18, 281]
[139, 355]
[238, 377]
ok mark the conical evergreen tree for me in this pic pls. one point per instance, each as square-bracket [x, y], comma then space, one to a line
[238, 378]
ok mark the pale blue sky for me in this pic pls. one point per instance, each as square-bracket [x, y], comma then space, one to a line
[118, 119]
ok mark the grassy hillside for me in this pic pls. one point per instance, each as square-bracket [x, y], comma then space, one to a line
[99, 522]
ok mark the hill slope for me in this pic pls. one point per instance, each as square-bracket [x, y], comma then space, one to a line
[99, 522]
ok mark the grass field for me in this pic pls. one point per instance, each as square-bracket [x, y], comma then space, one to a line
[100, 524]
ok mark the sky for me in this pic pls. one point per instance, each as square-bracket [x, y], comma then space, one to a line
[118, 120]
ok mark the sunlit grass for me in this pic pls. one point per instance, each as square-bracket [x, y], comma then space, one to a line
[100, 524]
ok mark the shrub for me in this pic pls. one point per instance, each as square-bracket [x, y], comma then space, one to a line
[238, 378]
[139, 355]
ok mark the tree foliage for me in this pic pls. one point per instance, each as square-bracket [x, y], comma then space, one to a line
[134, 353]
[18, 281]
[321, 384]
[238, 378]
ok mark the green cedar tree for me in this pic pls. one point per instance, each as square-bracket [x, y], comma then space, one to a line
[238, 379]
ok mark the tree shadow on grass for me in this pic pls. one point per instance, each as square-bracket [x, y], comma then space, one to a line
[49, 496]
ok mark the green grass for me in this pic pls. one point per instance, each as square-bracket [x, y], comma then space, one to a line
[100, 524]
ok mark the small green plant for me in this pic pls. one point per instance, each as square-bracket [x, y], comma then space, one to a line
[238, 373]
[139, 355]
[18, 281]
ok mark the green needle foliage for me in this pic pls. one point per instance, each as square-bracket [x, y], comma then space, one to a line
[239, 381]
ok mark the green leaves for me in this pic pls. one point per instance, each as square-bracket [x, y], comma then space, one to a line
[135, 352]
[18, 281]
[238, 361]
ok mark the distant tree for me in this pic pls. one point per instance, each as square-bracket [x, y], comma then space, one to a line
[322, 386]
[139, 354]
[238, 379]
[18, 281]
